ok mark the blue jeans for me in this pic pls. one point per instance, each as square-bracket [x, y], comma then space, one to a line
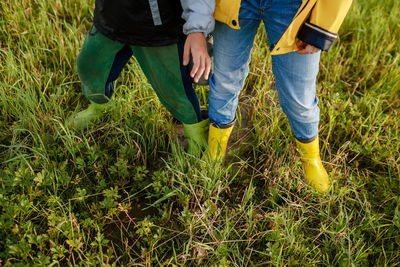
[295, 74]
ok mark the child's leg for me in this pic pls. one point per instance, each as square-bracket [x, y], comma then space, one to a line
[295, 77]
[170, 80]
[99, 63]
[231, 66]
[173, 86]
[295, 74]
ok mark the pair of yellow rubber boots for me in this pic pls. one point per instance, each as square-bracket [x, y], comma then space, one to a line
[314, 171]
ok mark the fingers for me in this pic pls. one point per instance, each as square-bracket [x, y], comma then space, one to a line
[315, 49]
[201, 66]
[305, 48]
[308, 49]
[196, 47]
[302, 47]
[196, 65]
[207, 68]
[186, 54]
[300, 44]
[200, 70]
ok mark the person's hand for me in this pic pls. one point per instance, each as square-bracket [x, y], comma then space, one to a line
[305, 48]
[196, 46]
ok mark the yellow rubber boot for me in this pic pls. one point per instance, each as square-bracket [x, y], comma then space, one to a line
[314, 171]
[217, 142]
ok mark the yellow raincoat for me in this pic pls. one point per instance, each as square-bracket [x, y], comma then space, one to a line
[316, 22]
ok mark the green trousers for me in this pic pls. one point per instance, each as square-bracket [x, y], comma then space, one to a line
[101, 61]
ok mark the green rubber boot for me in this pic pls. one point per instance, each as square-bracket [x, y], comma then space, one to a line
[87, 117]
[196, 136]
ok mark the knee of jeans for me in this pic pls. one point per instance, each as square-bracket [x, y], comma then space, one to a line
[301, 113]
[295, 71]
[303, 109]
[298, 96]
[229, 81]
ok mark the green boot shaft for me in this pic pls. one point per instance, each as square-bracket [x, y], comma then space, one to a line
[196, 136]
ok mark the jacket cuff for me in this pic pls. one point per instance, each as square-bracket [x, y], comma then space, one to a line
[206, 27]
[196, 30]
[198, 15]
[316, 36]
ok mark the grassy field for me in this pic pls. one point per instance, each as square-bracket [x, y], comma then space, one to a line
[125, 193]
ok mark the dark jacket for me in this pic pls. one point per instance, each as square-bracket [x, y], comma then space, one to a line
[139, 22]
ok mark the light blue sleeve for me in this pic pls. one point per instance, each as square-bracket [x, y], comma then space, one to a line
[198, 15]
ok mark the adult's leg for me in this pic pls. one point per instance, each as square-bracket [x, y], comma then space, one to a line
[99, 63]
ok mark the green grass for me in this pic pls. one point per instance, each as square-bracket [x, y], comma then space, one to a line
[125, 193]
